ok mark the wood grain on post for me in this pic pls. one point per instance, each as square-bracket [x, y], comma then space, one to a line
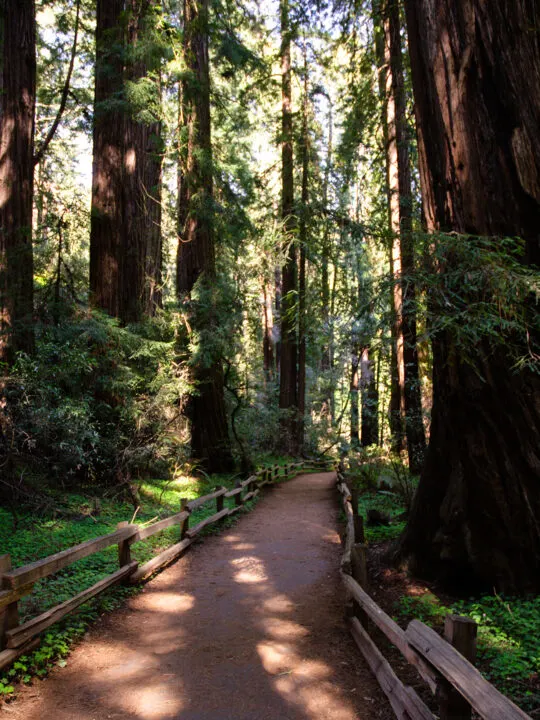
[124, 547]
[354, 500]
[359, 573]
[404, 701]
[393, 632]
[9, 614]
[185, 522]
[488, 702]
[220, 499]
[359, 532]
[460, 632]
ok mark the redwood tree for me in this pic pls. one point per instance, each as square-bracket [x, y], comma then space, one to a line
[475, 69]
[125, 233]
[210, 442]
[405, 404]
[288, 389]
[106, 218]
[17, 103]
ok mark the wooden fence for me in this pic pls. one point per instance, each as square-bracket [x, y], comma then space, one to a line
[445, 664]
[18, 638]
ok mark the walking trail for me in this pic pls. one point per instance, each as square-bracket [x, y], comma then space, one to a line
[247, 626]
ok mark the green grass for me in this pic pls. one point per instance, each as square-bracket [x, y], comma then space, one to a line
[28, 537]
[508, 628]
[508, 638]
[79, 518]
[389, 504]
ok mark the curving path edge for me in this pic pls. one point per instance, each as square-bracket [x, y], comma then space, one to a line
[248, 626]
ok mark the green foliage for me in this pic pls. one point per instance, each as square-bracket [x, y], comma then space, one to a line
[95, 400]
[479, 290]
[74, 518]
[508, 643]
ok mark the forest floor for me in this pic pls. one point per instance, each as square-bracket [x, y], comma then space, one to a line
[248, 625]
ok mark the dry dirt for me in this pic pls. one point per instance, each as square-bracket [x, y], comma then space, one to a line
[247, 626]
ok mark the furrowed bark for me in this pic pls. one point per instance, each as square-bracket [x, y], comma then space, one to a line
[475, 519]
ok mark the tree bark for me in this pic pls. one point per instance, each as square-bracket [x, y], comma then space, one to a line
[210, 443]
[402, 225]
[107, 174]
[475, 520]
[327, 351]
[140, 279]
[355, 416]
[303, 238]
[288, 390]
[370, 401]
[396, 410]
[268, 334]
[125, 237]
[17, 103]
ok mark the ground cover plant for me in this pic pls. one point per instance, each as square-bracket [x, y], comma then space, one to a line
[508, 640]
[77, 518]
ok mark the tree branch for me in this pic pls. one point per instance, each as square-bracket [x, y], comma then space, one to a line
[65, 92]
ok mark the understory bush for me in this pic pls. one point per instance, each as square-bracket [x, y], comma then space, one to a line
[96, 402]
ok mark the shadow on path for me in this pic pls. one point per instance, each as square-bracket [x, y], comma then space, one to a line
[247, 626]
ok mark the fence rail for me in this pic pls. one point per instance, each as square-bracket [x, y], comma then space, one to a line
[17, 639]
[444, 663]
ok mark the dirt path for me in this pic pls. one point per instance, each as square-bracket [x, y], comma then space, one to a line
[247, 626]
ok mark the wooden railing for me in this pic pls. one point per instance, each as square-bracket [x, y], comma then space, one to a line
[445, 664]
[18, 638]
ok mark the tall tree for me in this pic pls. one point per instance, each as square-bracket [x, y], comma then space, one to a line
[107, 175]
[125, 234]
[475, 65]
[17, 103]
[370, 400]
[210, 443]
[399, 175]
[355, 416]
[140, 260]
[303, 240]
[388, 117]
[288, 391]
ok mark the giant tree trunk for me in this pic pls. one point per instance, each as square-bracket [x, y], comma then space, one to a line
[303, 238]
[107, 175]
[17, 102]
[475, 67]
[396, 409]
[125, 237]
[140, 280]
[153, 283]
[401, 222]
[210, 443]
[327, 350]
[288, 391]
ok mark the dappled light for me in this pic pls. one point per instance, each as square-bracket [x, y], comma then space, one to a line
[243, 627]
[167, 602]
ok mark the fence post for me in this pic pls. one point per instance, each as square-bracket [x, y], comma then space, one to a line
[185, 522]
[220, 501]
[9, 615]
[359, 573]
[238, 498]
[124, 551]
[359, 534]
[460, 632]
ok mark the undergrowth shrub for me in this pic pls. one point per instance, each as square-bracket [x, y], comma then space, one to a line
[95, 401]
